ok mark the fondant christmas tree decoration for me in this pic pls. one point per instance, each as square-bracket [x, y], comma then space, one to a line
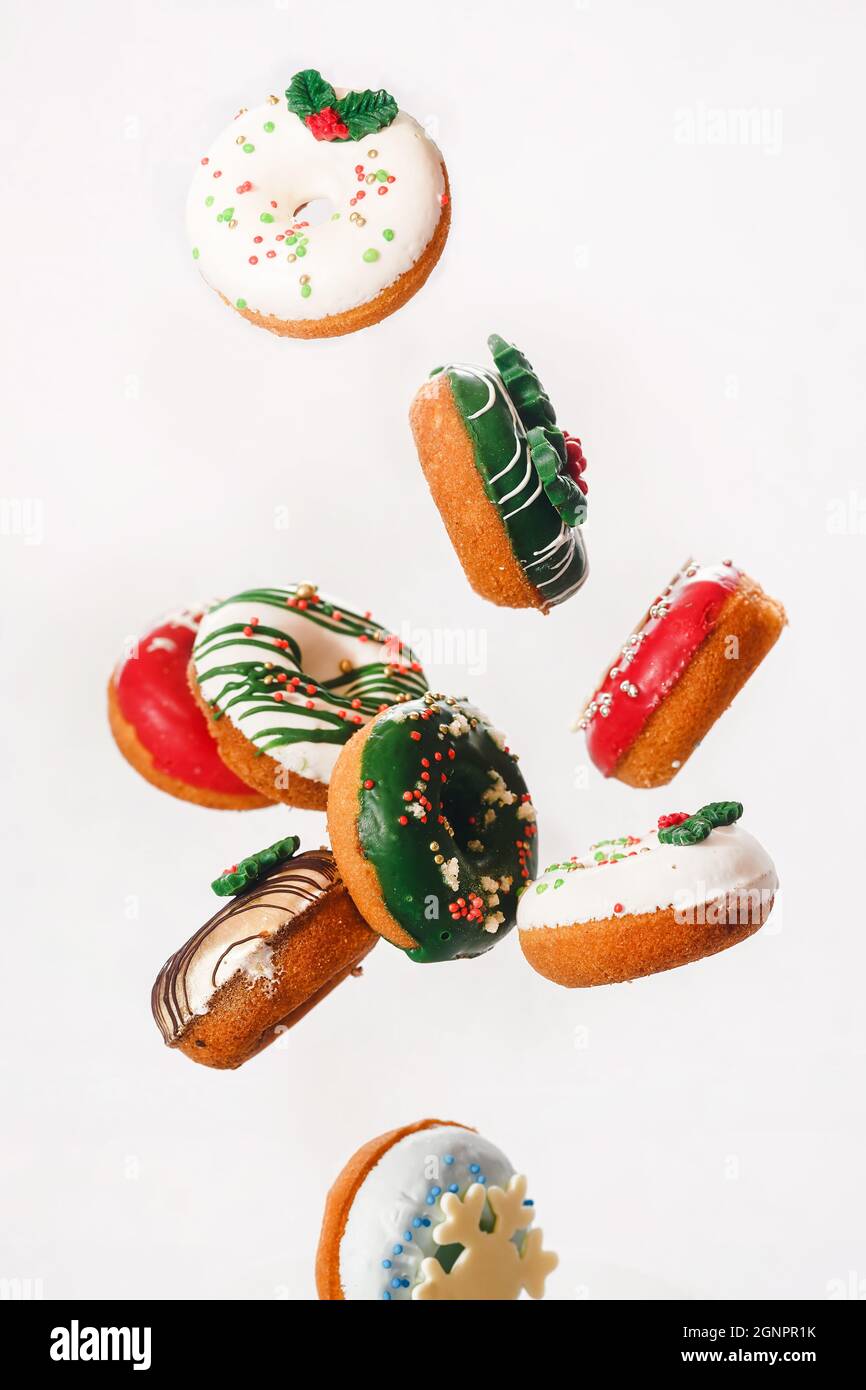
[329, 117]
[490, 1265]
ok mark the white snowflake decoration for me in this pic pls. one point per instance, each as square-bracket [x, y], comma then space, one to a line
[490, 1266]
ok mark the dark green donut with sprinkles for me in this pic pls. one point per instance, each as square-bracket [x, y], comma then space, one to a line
[446, 820]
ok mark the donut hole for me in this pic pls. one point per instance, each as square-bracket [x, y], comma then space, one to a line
[315, 211]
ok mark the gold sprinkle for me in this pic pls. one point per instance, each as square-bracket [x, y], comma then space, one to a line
[414, 715]
[361, 222]
[233, 224]
[305, 590]
[371, 178]
[345, 664]
[305, 280]
[269, 666]
[241, 140]
[291, 256]
[274, 101]
[372, 154]
[439, 859]
[242, 112]
[434, 844]
[269, 680]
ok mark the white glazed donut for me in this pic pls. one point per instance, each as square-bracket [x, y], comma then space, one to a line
[286, 677]
[635, 905]
[430, 1211]
[387, 188]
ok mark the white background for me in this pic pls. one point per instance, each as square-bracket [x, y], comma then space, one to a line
[695, 310]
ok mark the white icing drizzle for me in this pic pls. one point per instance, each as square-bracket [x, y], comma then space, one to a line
[650, 876]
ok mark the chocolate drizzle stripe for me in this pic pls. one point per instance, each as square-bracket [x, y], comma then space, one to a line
[301, 882]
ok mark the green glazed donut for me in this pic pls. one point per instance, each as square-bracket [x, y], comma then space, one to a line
[433, 828]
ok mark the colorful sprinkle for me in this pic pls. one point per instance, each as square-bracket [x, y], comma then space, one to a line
[266, 217]
[240, 303]
[306, 291]
[371, 254]
[248, 148]
[195, 253]
[268, 126]
[388, 234]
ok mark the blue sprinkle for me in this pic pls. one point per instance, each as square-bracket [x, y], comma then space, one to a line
[387, 1295]
[407, 1235]
[405, 1283]
[449, 1159]
[431, 1202]
[528, 1202]
[396, 1283]
[454, 1188]
[475, 1167]
[425, 1221]
[386, 1264]
[481, 1178]
[434, 1191]
[398, 1250]
[416, 1222]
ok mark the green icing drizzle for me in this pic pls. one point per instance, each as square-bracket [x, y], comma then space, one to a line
[342, 702]
[478, 823]
[699, 825]
[256, 867]
[549, 548]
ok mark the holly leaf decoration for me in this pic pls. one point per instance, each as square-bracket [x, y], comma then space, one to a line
[549, 459]
[359, 113]
[363, 113]
[698, 826]
[240, 876]
[308, 93]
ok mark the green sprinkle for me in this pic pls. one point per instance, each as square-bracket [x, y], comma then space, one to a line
[371, 254]
[268, 126]
[248, 149]
[290, 240]
[382, 175]
[335, 217]
[195, 253]
[306, 291]
[266, 217]
[302, 251]
[226, 215]
[240, 303]
[208, 202]
[388, 234]
[541, 887]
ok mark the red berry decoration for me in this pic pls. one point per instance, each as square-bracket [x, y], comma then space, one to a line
[575, 461]
[326, 125]
[675, 818]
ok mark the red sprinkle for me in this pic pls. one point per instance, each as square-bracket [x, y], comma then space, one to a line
[369, 784]
[675, 818]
